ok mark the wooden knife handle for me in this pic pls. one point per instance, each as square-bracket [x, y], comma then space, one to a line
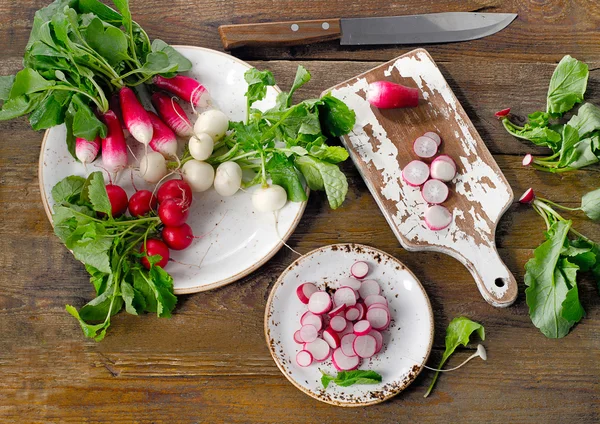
[280, 33]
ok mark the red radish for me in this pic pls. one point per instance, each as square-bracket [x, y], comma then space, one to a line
[155, 247]
[115, 106]
[415, 173]
[173, 212]
[178, 238]
[308, 333]
[114, 147]
[172, 114]
[338, 323]
[338, 310]
[434, 136]
[186, 88]
[528, 159]
[346, 344]
[379, 318]
[378, 339]
[344, 296]
[502, 113]
[350, 282]
[369, 287]
[319, 349]
[434, 191]
[527, 197]
[348, 330]
[311, 319]
[175, 189]
[331, 337]
[362, 327]
[304, 358]
[361, 308]
[425, 147]
[388, 95]
[342, 362]
[375, 298]
[135, 116]
[437, 217]
[352, 313]
[118, 200]
[141, 203]
[359, 269]
[304, 291]
[319, 303]
[163, 140]
[365, 346]
[86, 151]
[443, 168]
[297, 338]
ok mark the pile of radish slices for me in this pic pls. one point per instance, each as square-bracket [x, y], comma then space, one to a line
[432, 178]
[345, 325]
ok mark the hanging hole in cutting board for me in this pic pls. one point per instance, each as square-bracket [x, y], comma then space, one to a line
[499, 282]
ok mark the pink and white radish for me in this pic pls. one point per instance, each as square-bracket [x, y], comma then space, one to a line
[425, 147]
[434, 191]
[135, 117]
[362, 327]
[369, 287]
[270, 198]
[199, 175]
[114, 147]
[346, 344]
[375, 298]
[153, 167]
[304, 291]
[437, 217]
[297, 337]
[443, 168]
[349, 329]
[389, 95]
[86, 151]
[415, 173]
[341, 362]
[378, 339]
[350, 282]
[345, 296]
[528, 159]
[361, 309]
[186, 88]
[319, 303]
[527, 197]
[319, 349]
[311, 319]
[434, 136]
[228, 178]
[352, 313]
[331, 337]
[163, 140]
[338, 323]
[172, 114]
[212, 122]
[359, 269]
[365, 346]
[338, 310]
[308, 333]
[378, 317]
[304, 358]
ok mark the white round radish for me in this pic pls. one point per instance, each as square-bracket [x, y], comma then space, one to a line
[369, 287]
[437, 217]
[338, 310]
[352, 313]
[434, 191]
[338, 323]
[304, 291]
[362, 327]
[375, 298]
[228, 178]
[319, 349]
[346, 344]
[378, 339]
[350, 282]
[443, 168]
[199, 175]
[319, 303]
[153, 167]
[297, 337]
[359, 270]
[311, 319]
[425, 147]
[342, 362]
[415, 173]
[212, 122]
[304, 358]
[201, 146]
[379, 318]
[308, 333]
[331, 337]
[269, 199]
[345, 296]
[365, 346]
[434, 136]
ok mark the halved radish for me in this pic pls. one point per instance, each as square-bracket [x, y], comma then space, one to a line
[331, 337]
[438, 217]
[434, 191]
[443, 168]
[527, 159]
[378, 339]
[434, 136]
[304, 358]
[350, 282]
[319, 303]
[341, 362]
[362, 327]
[338, 323]
[415, 173]
[297, 337]
[319, 349]
[369, 287]
[375, 298]
[365, 346]
[304, 291]
[352, 313]
[425, 147]
[345, 296]
[379, 318]
[502, 113]
[359, 270]
[338, 310]
[346, 344]
[308, 333]
[527, 197]
[311, 319]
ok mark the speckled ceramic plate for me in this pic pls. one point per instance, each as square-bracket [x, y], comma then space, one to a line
[407, 342]
[239, 239]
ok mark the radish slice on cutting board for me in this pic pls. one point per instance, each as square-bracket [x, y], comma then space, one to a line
[434, 192]
[425, 147]
[438, 217]
[415, 173]
[443, 168]
[434, 136]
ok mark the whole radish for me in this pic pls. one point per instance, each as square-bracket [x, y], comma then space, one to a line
[163, 140]
[389, 95]
[141, 203]
[178, 238]
[86, 151]
[199, 175]
[172, 114]
[114, 147]
[212, 122]
[118, 200]
[228, 178]
[135, 116]
[153, 167]
[154, 247]
[175, 189]
[270, 198]
[201, 146]
[186, 88]
[173, 212]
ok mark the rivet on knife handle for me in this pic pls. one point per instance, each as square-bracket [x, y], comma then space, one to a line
[280, 33]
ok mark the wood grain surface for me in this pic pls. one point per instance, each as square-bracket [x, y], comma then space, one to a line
[209, 363]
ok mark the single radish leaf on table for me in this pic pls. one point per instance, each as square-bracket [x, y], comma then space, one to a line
[350, 378]
[6, 83]
[587, 119]
[567, 85]
[590, 204]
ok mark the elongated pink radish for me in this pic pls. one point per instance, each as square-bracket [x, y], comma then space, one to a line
[527, 197]
[86, 151]
[338, 323]
[297, 337]
[304, 291]
[425, 147]
[359, 269]
[365, 346]
[434, 136]
[308, 333]
[362, 309]
[378, 339]
[352, 313]
[186, 88]
[346, 344]
[415, 173]
[437, 217]
[135, 117]
[379, 318]
[338, 310]
[331, 337]
[115, 106]
[528, 159]
[369, 287]
[389, 95]
[362, 327]
[344, 296]
[311, 319]
[434, 191]
[319, 303]
[350, 282]
[114, 147]
[319, 349]
[172, 114]
[443, 168]
[375, 298]
[341, 362]
[304, 358]
[163, 140]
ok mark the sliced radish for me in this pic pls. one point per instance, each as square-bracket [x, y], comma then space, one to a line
[304, 358]
[379, 318]
[350, 282]
[375, 298]
[319, 349]
[502, 113]
[378, 339]
[437, 217]
[359, 269]
[319, 303]
[362, 309]
[527, 197]
[415, 173]
[311, 319]
[352, 313]
[338, 310]
[365, 346]
[425, 147]
[348, 330]
[434, 191]
[362, 327]
[342, 362]
[304, 291]
[345, 296]
[338, 323]
[443, 168]
[297, 337]
[308, 333]
[331, 337]
[346, 344]
[369, 287]
[527, 159]
[434, 136]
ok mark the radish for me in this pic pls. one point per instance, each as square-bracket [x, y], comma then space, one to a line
[228, 178]
[163, 140]
[415, 173]
[378, 339]
[343, 362]
[308, 333]
[375, 298]
[201, 146]
[443, 168]
[304, 291]
[346, 344]
[114, 147]
[172, 114]
[178, 238]
[142, 203]
[173, 213]
[331, 337]
[304, 358]
[135, 116]
[348, 330]
[359, 269]
[175, 189]
[365, 346]
[118, 200]
[186, 88]
[212, 122]
[319, 349]
[199, 175]
[319, 303]
[528, 159]
[270, 198]
[378, 317]
[362, 327]
[388, 95]
[338, 323]
[361, 309]
[115, 105]
[437, 217]
[297, 338]
[434, 136]
[338, 310]
[344, 296]
[86, 151]
[311, 319]
[154, 247]
[502, 113]
[350, 282]
[434, 191]
[352, 313]
[153, 167]
[527, 197]
[369, 287]
[425, 147]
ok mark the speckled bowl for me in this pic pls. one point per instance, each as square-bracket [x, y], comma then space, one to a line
[407, 342]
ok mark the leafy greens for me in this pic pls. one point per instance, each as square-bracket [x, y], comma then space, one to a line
[350, 378]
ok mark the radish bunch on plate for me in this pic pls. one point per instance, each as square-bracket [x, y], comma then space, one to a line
[345, 325]
[432, 179]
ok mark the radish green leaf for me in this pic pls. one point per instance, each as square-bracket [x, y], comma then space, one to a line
[567, 85]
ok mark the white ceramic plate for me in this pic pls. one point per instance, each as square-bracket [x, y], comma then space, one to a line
[241, 239]
[407, 342]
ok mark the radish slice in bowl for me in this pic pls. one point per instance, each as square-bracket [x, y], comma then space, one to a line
[415, 173]
[338, 310]
[425, 147]
[362, 327]
[338, 323]
[345, 296]
[308, 333]
[438, 217]
[346, 344]
[297, 337]
[379, 318]
[311, 319]
[331, 337]
[319, 349]
[305, 291]
[369, 287]
[342, 362]
[378, 339]
[351, 282]
[434, 191]
[365, 346]
[304, 358]
[319, 303]
[375, 298]
[353, 313]
[359, 269]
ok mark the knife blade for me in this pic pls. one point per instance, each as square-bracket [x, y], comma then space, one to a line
[430, 28]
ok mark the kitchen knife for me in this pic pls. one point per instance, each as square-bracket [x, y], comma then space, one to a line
[412, 29]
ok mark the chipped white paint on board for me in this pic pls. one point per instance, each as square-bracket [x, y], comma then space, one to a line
[482, 193]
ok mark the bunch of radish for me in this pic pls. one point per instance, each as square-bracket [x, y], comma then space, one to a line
[345, 325]
[432, 178]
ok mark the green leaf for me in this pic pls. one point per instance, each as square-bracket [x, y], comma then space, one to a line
[283, 173]
[332, 154]
[110, 42]
[570, 138]
[123, 7]
[97, 193]
[590, 204]
[85, 123]
[326, 379]
[6, 83]
[258, 81]
[90, 244]
[587, 119]
[567, 85]
[301, 78]
[70, 139]
[566, 274]
[68, 189]
[336, 118]
[98, 308]
[128, 294]
[98, 279]
[583, 154]
[21, 105]
[321, 175]
[183, 64]
[29, 81]
[350, 378]
[51, 111]
[96, 332]
[158, 63]
[539, 136]
[101, 10]
[156, 287]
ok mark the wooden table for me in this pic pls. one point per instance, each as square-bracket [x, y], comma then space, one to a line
[210, 363]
